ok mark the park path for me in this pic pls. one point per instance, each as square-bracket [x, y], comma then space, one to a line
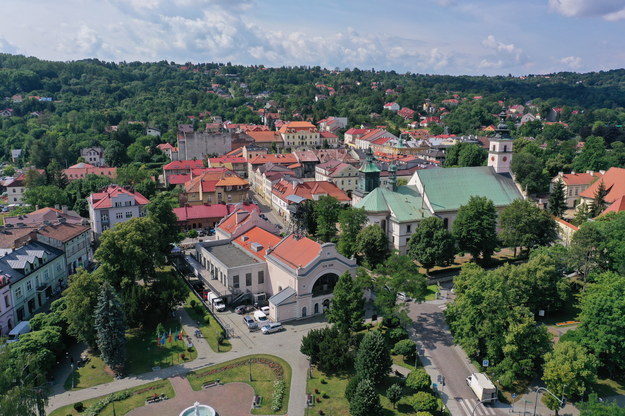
[206, 357]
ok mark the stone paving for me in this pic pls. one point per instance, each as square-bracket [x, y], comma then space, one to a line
[232, 399]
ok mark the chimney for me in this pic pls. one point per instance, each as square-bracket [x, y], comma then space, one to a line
[64, 209]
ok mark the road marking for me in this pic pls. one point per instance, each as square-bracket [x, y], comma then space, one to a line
[464, 406]
[442, 307]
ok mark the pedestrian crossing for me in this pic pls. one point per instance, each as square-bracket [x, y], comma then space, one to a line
[467, 406]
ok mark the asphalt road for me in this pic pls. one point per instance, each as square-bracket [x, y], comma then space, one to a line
[441, 357]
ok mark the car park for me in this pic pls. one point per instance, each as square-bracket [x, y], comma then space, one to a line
[272, 327]
[250, 323]
[241, 309]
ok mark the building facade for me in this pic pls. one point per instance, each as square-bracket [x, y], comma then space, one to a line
[93, 155]
[115, 205]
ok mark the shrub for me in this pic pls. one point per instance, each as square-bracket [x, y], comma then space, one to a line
[405, 347]
[207, 318]
[278, 395]
[323, 381]
[423, 401]
[396, 334]
[192, 302]
[391, 322]
[350, 389]
[418, 380]
[79, 407]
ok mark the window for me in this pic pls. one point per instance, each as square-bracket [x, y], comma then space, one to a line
[408, 227]
[18, 293]
[219, 196]
[248, 279]
[229, 197]
[7, 302]
[235, 281]
[119, 215]
[46, 275]
[261, 277]
[29, 286]
[128, 214]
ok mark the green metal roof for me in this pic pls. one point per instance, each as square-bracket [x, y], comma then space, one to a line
[369, 167]
[449, 188]
[405, 205]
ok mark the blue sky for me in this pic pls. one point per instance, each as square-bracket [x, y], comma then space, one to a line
[436, 36]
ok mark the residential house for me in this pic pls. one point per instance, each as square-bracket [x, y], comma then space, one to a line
[94, 155]
[351, 135]
[180, 167]
[613, 181]
[297, 274]
[343, 175]
[364, 142]
[240, 221]
[575, 184]
[82, 169]
[267, 139]
[169, 150]
[288, 192]
[215, 185]
[329, 139]
[253, 163]
[43, 215]
[6, 305]
[16, 188]
[406, 113]
[526, 118]
[115, 205]
[153, 131]
[392, 106]
[237, 164]
[199, 217]
[266, 177]
[332, 124]
[300, 135]
[37, 273]
[73, 239]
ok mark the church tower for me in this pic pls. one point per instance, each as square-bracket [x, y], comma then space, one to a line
[368, 177]
[500, 151]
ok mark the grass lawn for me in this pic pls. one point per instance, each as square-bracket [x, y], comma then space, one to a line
[430, 293]
[262, 379]
[568, 313]
[607, 387]
[336, 404]
[143, 352]
[211, 330]
[123, 406]
[400, 360]
[91, 374]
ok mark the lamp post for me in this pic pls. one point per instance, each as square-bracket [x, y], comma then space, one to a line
[250, 363]
[539, 389]
[72, 375]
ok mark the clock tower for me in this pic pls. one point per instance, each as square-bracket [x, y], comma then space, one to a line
[500, 150]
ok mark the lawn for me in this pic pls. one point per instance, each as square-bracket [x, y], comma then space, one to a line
[335, 403]
[123, 406]
[239, 371]
[401, 361]
[91, 374]
[607, 387]
[569, 312]
[430, 293]
[211, 330]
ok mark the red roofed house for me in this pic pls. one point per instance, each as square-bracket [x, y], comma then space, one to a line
[406, 113]
[240, 220]
[114, 205]
[267, 139]
[296, 274]
[614, 182]
[16, 187]
[254, 162]
[206, 216]
[237, 164]
[215, 186]
[288, 192]
[329, 138]
[169, 150]
[575, 184]
[352, 135]
[391, 106]
[343, 175]
[180, 167]
[300, 135]
[82, 169]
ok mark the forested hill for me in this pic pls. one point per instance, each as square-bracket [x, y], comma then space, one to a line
[72, 103]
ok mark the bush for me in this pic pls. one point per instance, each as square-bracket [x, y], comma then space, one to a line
[192, 302]
[192, 234]
[278, 395]
[350, 389]
[423, 401]
[207, 318]
[405, 347]
[396, 334]
[79, 407]
[391, 322]
[418, 380]
[424, 414]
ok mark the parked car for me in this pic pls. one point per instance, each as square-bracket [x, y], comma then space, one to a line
[250, 323]
[272, 327]
[265, 310]
[241, 309]
[260, 316]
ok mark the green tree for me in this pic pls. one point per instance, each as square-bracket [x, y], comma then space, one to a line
[327, 210]
[418, 380]
[464, 155]
[602, 330]
[431, 244]
[328, 349]
[8, 170]
[161, 211]
[529, 172]
[475, 227]
[373, 359]
[110, 328]
[401, 274]
[424, 402]
[598, 204]
[45, 196]
[525, 225]
[592, 157]
[557, 200]
[372, 245]
[365, 401]
[81, 297]
[582, 214]
[594, 407]
[21, 383]
[55, 175]
[569, 370]
[407, 348]
[351, 221]
[587, 252]
[347, 308]
[394, 394]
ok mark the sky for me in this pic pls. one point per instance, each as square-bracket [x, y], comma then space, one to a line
[473, 37]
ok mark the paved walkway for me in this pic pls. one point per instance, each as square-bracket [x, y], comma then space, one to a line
[288, 351]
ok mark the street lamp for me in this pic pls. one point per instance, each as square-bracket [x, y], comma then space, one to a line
[482, 402]
[250, 363]
[561, 401]
[72, 375]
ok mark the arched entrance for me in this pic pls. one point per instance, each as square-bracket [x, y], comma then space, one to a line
[304, 312]
[325, 284]
[316, 308]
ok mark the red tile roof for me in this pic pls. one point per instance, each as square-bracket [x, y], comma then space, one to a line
[81, 170]
[184, 164]
[276, 159]
[580, 178]
[309, 190]
[45, 214]
[257, 237]
[297, 126]
[265, 136]
[233, 221]
[210, 211]
[63, 231]
[296, 252]
[213, 178]
[105, 199]
[616, 206]
[227, 159]
[614, 182]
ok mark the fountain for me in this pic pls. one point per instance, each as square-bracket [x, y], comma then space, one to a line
[198, 410]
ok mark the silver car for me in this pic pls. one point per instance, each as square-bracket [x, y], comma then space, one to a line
[250, 323]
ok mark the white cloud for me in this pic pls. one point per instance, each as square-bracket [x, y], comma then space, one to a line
[491, 43]
[7, 47]
[574, 62]
[607, 9]
[485, 63]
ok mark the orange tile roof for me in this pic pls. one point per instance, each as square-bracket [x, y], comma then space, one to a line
[276, 159]
[230, 223]
[296, 252]
[580, 178]
[298, 125]
[614, 182]
[259, 236]
[616, 206]
[105, 199]
[309, 190]
[213, 178]
[264, 136]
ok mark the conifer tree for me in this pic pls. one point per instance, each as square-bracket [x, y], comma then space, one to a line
[598, 203]
[557, 203]
[373, 360]
[110, 328]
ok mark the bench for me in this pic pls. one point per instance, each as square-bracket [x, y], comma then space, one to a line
[211, 384]
[155, 399]
[257, 401]
[310, 400]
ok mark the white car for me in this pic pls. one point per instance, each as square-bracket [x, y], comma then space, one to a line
[272, 327]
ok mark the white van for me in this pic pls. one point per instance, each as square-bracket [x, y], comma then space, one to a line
[20, 329]
[261, 317]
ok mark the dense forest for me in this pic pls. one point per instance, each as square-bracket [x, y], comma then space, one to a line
[65, 106]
